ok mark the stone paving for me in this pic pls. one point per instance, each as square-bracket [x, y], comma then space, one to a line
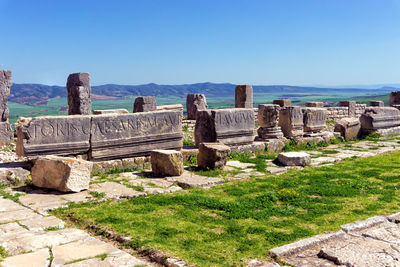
[33, 237]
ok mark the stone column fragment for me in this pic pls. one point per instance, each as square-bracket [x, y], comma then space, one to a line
[394, 99]
[145, 104]
[268, 118]
[291, 121]
[195, 102]
[244, 96]
[314, 119]
[78, 86]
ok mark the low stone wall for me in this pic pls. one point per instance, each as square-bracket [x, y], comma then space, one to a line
[360, 108]
[336, 113]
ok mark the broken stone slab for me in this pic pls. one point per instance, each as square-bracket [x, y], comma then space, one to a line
[359, 251]
[314, 104]
[244, 96]
[282, 102]
[387, 232]
[351, 105]
[294, 158]
[115, 191]
[195, 102]
[291, 121]
[110, 111]
[314, 119]
[257, 263]
[228, 126]
[376, 118]
[376, 103]
[174, 107]
[394, 218]
[145, 104]
[394, 98]
[189, 180]
[349, 128]
[136, 134]
[238, 164]
[78, 87]
[305, 243]
[82, 249]
[14, 176]
[39, 258]
[62, 174]
[5, 85]
[16, 215]
[166, 162]
[6, 133]
[360, 225]
[212, 155]
[53, 135]
[42, 223]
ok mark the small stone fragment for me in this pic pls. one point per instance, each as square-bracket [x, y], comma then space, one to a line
[212, 155]
[294, 158]
[167, 162]
[62, 174]
[349, 128]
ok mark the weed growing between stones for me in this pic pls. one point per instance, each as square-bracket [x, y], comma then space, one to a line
[240, 220]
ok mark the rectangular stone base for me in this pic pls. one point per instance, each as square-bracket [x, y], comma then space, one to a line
[6, 133]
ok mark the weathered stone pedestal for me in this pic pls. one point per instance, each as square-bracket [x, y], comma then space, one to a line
[268, 117]
[314, 119]
[294, 158]
[78, 87]
[351, 105]
[349, 128]
[195, 102]
[282, 102]
[212, 155]
[166, 162]
[291, 121]
[381, 120]
[244, 96]
[144, 104]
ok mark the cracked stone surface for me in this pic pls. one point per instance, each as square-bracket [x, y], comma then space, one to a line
[34, 259]
[115, 191]
[192, 180]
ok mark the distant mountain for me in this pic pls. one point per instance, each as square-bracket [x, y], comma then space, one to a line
[32, 94]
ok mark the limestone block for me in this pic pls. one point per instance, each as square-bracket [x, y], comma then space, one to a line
[117, 136]
[291, 121]
[314, 119]
[6, 133]
[244, 96]
[394, 98]
[195, 102]
[375, 118]
[62, 174]
[268, 115]
[5, 85]
[294, 158]
[228, 126]
[315, 104]
[144, 104]
[351, 106]
[110, 111]
[376, 103]
[175, 107]
[348, 128]
[212, 155]
[78, 87]
[53, 135]
[282, 102]
[166, 162]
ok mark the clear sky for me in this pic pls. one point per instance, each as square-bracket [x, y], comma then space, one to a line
[296, 42]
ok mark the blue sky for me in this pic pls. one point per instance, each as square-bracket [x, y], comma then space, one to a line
[296, 42]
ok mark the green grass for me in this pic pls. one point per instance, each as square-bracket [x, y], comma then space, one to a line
[229, 224]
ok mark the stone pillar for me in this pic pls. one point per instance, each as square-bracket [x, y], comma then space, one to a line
[351, 105]
[195, 102]
[282, 102]
[291, 121]
[376, 103]
[5, 85]
[244, 96]
[78, 86]
[268, 117]
[144, 104]
[394, 99]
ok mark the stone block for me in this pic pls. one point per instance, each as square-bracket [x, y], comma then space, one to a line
[6, 133]
[5, 85]
[78, 87]
[349, 128]
[376, 103]
[144, 104]
[351, 105]
[294, 158]
[110, 111]
[291, 121]
[212, 155]
[244, 96]
[228, 126]
[282, 102]
[53, 135]
[268, 115]
[117, 136]
[314, 119]
[315, 104]
[62, 174]
[375, 118]
[195, 102]
[394, 98]
[166, 162]
[174, 107]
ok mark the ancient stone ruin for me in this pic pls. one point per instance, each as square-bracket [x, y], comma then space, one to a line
[78, 87]
[195, 102]
[282, 102]
[244, 96]
[376, 103]
[394, 99]
[268, 119]
[228, 126]
[291, 121]
[315, 104]
[6, 134]
[381, 120]
[314, 119]
[144, 104]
